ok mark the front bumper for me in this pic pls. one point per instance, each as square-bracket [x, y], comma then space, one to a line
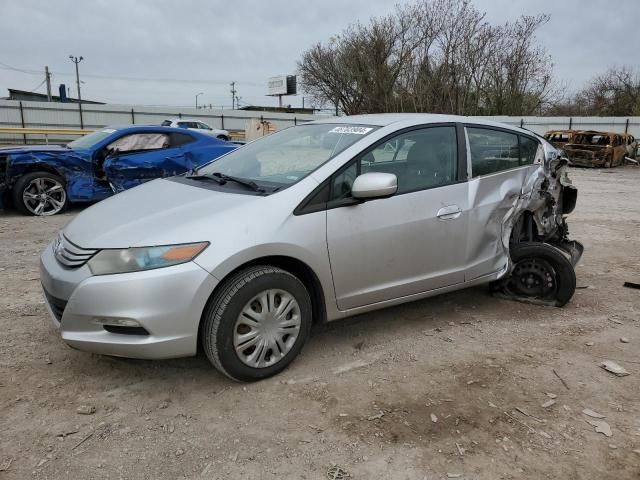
[166, 302]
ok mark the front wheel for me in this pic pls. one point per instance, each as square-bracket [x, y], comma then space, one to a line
[40, 194]
[256, 323]
[541, 273]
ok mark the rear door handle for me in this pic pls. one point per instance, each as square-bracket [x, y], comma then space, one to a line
[450, 212]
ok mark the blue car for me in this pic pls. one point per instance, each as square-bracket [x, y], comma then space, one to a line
[43, 180]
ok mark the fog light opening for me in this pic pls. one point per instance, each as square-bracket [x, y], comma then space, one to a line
[116, 322]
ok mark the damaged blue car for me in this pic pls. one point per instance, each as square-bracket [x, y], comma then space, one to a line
[43, 180]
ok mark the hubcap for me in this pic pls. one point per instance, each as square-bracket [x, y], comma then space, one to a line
[534, 277]
[267, 328]
[44, 196]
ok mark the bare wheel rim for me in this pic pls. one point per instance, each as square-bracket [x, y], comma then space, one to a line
[44, 196]
[267, 328]
[534, 277]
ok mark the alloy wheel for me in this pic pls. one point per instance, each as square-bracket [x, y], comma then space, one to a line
[44, 196]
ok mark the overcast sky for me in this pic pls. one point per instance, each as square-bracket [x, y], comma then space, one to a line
[164, 52]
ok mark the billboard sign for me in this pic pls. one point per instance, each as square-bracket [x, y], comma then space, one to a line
[282, 85]
[278, 85]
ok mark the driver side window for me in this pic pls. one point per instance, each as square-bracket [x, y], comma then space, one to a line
[420, 159]
[140, 141]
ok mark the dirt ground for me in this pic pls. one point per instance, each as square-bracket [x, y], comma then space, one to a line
[449, 387]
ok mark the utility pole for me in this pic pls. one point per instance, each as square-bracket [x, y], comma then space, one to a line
[77, 60]
[47, 79]
[233, 95]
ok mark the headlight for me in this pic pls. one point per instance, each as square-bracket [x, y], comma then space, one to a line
[143, 258]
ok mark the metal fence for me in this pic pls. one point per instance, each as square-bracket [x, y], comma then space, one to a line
[543, 124]
[15, 113]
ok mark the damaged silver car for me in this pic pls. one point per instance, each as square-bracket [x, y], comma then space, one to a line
[314, 223]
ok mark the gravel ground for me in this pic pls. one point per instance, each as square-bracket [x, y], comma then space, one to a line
[458, 386]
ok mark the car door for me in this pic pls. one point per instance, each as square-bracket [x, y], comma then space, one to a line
[411, 242]
[500, 162]
[140, 157]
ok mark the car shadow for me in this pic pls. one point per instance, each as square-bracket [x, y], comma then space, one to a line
[367, 328]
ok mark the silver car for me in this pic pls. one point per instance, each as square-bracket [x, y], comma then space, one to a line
[311, 224]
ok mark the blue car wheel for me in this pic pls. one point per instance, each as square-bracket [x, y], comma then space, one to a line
[40, 194]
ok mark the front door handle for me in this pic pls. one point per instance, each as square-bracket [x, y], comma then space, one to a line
[450, 212]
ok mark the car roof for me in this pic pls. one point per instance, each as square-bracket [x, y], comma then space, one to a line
[155, 128]
[409, 119]
[183, 120]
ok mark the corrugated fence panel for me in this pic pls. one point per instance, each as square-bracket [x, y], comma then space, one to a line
[67, 115]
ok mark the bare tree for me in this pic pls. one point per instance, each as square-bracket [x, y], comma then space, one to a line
[615, 92]
[433, 55]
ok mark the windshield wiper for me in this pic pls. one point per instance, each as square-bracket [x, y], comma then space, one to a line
[242, 181]
[206, 177]
[221, 179]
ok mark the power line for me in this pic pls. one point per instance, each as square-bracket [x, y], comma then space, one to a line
[39, 85]
[9, 67]
[131, 79]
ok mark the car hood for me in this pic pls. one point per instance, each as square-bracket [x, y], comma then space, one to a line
[33, 149]
[160, 212]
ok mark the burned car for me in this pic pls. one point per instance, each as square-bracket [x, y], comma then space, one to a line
[632, 145]
[42, 180]
[596, 149]
[559, 138]
[313, 223]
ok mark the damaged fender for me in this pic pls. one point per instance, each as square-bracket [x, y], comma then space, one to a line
[538, 213]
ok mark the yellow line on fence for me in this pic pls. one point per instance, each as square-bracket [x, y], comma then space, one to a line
[44, 131]
[235, 134]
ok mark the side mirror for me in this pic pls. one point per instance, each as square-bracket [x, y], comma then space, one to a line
[374, 185]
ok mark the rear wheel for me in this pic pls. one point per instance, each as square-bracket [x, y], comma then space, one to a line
[40, 194]
[223, 137]
[541, 272]
[256, 323]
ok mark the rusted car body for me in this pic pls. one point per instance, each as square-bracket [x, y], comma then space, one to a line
[632, 145]
[596, 149]
[559, 138]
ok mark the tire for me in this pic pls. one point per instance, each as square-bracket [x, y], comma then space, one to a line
[223, 137]
[48, 192]
[542, 273]
[225, 321]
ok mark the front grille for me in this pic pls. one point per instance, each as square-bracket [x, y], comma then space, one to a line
[71, 255]
[57, 305]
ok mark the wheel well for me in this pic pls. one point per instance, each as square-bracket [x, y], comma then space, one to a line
[302, 271]
[26, 169]
[524, 229]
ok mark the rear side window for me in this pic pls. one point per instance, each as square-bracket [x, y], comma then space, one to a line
[528, 150]
[177, 139]
[166, 123]
[492, 150]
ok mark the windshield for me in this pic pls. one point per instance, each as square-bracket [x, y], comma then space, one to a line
[285, 157]
[90, 140]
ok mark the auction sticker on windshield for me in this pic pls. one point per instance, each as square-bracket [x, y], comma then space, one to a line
[352, 130]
